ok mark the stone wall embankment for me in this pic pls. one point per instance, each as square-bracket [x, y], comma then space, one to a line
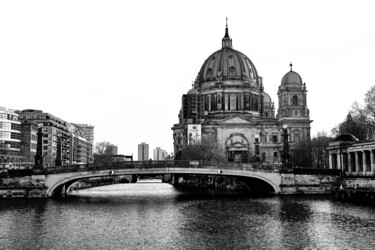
[23, 187]
[307, 183]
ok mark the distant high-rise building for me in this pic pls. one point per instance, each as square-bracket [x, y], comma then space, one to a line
[160, 154]
[143, 151]
[10, 138]
[111, 150]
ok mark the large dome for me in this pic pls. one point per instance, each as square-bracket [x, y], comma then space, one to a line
[227, 64]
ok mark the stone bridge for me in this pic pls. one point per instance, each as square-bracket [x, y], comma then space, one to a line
[61, 178]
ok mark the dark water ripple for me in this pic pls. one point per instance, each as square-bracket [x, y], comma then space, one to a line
[156, 216]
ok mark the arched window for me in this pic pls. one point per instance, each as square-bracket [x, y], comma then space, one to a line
[239, 102]
[247, 101]
[228, 100]
[297, 137]
[213, 102]
[218, 105]
[295, 100]
[233, 102]
[209, 72]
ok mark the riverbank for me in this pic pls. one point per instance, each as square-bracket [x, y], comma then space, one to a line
[355, 195]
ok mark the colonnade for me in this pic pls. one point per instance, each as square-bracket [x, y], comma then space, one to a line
[358, 162]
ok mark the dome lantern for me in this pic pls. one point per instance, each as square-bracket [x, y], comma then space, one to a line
[226, 41]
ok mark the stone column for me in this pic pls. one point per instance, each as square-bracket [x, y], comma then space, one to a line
[330, 161]
[372, 162]
[339, 163]
[349, 163]
[364, 162]
[357, 162]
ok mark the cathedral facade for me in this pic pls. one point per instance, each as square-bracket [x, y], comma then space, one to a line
[229, 106]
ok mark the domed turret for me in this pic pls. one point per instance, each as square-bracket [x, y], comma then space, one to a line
[266, 98]
[293, 109]
[268, 105]
[193, 92]
[291, 79]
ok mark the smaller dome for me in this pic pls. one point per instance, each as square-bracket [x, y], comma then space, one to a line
[346, 137]
[266, 98]
[291, 78]
[193, 92]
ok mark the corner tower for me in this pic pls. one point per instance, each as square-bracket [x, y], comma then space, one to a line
[293, 110]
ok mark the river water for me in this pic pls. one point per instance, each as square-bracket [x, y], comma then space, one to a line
[156, 216]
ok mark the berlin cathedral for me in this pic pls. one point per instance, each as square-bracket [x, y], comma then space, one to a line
[228, 104]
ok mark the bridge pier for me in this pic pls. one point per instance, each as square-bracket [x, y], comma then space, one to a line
[174, 179]
[134, 178]
[167, 178]
[63, 191]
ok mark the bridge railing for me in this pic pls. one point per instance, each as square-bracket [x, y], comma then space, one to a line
[112, 165]
[156, 164]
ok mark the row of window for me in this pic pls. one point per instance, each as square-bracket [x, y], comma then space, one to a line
[234, 102]
[15, 136]
[10, 145]
[10, 126]
[8, 117]
[4, 135]
[5, 125]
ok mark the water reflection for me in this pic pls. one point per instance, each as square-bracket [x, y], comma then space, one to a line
[156, 216]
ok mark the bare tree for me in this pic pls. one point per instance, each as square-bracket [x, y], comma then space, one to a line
[301, 154]
[312, 153]
[207, 150]
[320, 154]
[365, 113]
[353, 125]
[101, 147]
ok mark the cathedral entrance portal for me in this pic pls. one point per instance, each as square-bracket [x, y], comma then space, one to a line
[237, 147]
[238, 156]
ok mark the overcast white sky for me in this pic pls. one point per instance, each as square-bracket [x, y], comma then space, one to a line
[123, 66]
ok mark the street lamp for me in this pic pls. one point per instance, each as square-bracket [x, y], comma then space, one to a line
[285, 157]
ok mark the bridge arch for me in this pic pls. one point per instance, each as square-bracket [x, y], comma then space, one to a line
[55, 182]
